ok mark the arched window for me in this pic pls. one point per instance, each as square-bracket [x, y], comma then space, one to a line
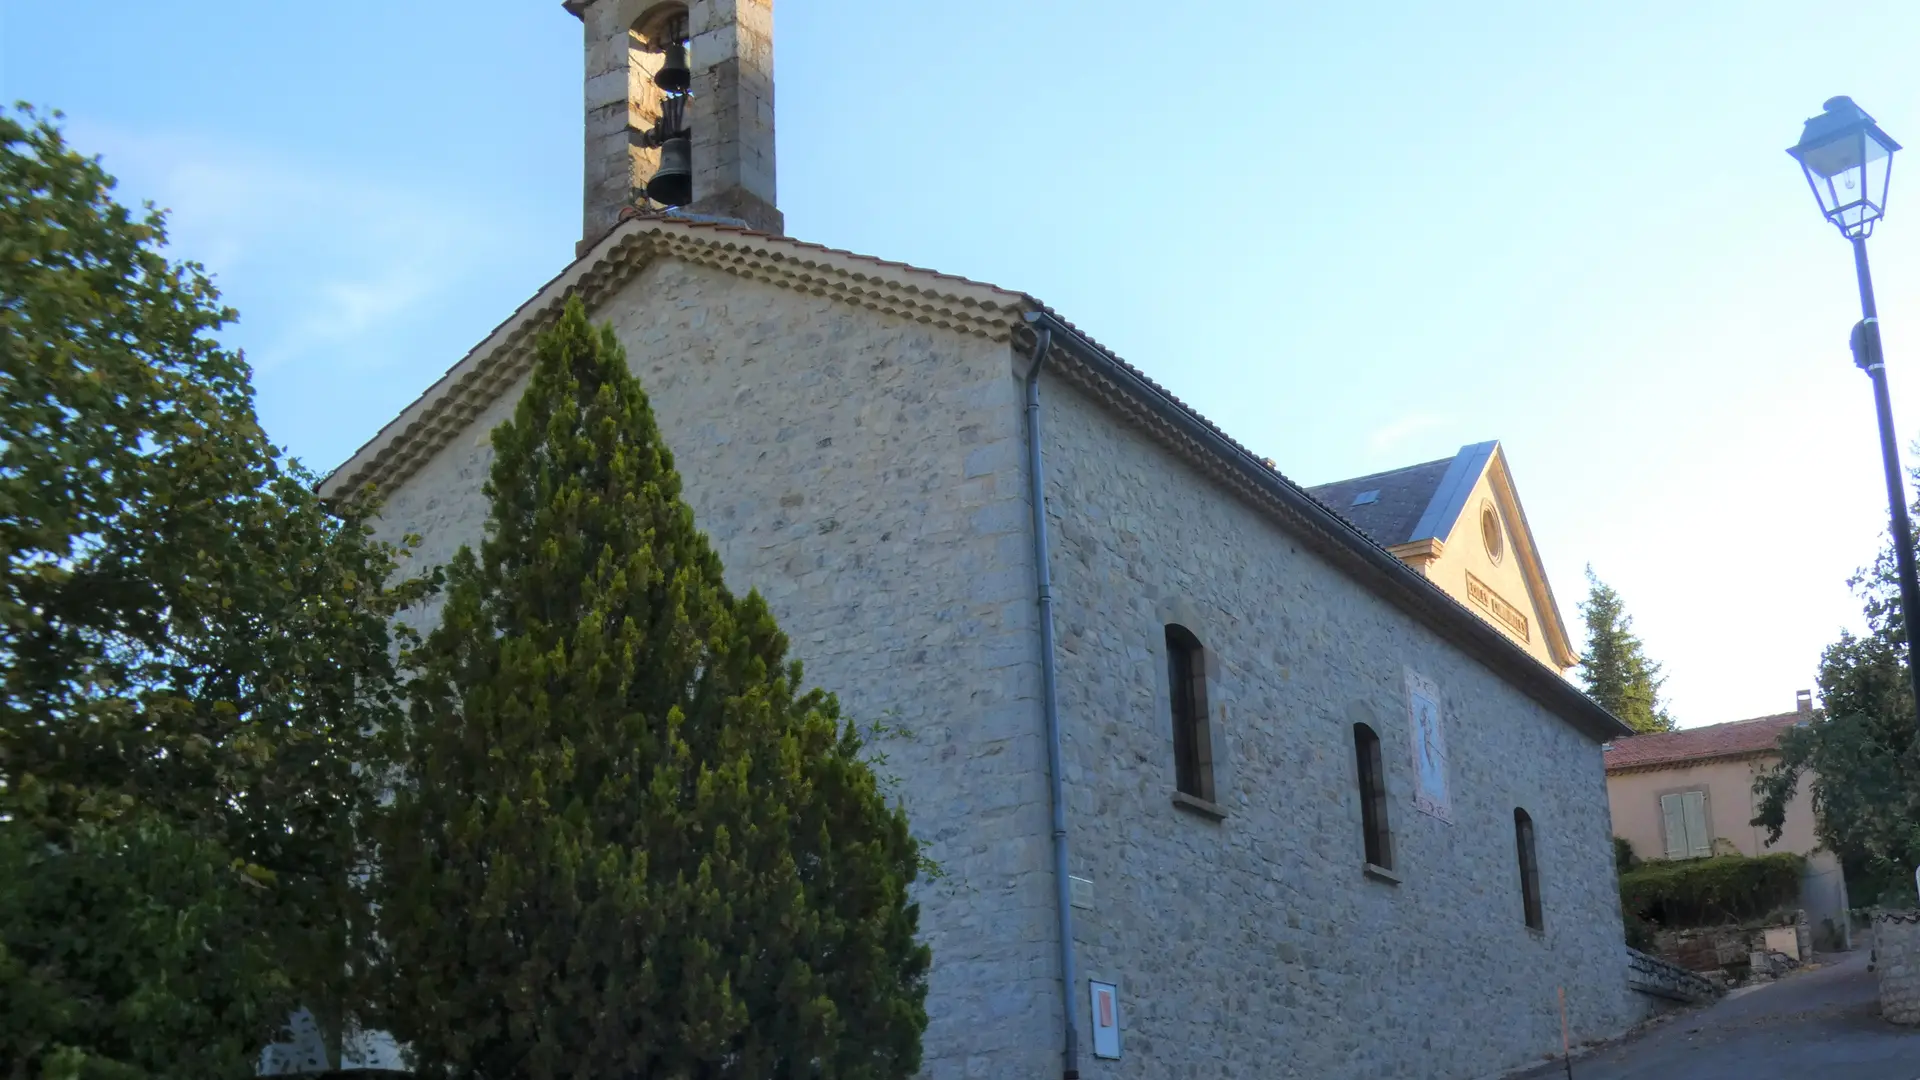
[1529, 868]
[1187, 690]
[1373, 797]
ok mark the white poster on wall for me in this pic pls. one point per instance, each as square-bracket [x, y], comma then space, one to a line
[1106, 1018]
[1430, 794]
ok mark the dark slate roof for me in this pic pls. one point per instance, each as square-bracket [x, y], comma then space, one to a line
[1413, 503]
[1404, 495]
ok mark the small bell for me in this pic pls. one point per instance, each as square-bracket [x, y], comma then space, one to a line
[674, 76]
[672, 183]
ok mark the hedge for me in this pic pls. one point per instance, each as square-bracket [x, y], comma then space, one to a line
[1707, 892]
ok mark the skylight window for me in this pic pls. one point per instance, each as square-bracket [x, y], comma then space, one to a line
[1366, 497]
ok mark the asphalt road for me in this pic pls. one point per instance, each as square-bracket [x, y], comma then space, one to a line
[1821, 1024]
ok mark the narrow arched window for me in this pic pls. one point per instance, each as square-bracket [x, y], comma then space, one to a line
[1373, 797]
[1529, 868]
[1187, 691]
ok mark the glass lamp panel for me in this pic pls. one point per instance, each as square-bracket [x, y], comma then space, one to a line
[1876, 172]
[1842, 152]
[1834, 169]
[1862, 190]
[1827, 190]
[1840, 167]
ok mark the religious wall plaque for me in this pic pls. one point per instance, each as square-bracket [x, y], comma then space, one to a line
[1430, 794]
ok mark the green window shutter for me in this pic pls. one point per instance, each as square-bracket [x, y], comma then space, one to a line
[1674, 818]
[1699, 837]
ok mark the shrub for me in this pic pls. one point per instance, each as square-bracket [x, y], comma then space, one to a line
[1623, 857]
[1639, 932]
[1705, 892]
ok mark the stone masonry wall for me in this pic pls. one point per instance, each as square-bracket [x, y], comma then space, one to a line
[865, 473]
[862, 471]
[731, 111]
[1255, 946]
[1896, 953]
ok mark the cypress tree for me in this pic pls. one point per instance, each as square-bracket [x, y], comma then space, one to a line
[624, 841]
[1615, 669]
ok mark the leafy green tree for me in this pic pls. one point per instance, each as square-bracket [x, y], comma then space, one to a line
[1860, 757]
[1615, 669]
[624, 841]
[192, 652]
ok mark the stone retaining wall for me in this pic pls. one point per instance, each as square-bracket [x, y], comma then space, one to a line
[1732, 953]
[1652, 975]
[1896, 945]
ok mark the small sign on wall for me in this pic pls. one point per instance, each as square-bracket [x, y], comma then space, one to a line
[1106, 1019]
[1430, 795]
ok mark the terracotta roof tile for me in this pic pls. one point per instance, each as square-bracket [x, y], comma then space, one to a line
[1736, 739]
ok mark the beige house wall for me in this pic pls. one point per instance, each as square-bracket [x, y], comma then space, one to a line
[1635, 798]
[1465, 552]
[1730, 805]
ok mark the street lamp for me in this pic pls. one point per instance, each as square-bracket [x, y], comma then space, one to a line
[1848, 161]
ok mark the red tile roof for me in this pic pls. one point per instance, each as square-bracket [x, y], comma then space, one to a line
[1738, 739]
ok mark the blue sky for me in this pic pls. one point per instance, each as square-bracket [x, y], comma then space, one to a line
[1355, 236]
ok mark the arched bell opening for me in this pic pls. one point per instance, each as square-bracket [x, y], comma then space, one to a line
[659, 75]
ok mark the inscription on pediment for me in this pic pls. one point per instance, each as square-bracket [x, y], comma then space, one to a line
[1495, 605]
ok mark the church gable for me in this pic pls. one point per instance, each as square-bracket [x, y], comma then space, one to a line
[470, 387]
[1459, 521]
[1491, 562]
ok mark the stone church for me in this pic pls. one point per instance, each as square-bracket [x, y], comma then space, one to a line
[1224, 779]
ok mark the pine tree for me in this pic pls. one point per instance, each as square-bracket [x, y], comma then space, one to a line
[1615, 668]
[624, 842]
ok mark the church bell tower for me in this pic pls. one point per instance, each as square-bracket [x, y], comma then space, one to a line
[679, 111]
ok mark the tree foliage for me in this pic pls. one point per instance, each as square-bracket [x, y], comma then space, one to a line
[1859, 756]
[192, 650]
[1615, 670]
[624, 841]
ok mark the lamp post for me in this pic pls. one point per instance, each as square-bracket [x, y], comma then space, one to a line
[1848, 161]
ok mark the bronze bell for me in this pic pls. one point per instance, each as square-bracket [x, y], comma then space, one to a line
[672, 183]
[674, 76]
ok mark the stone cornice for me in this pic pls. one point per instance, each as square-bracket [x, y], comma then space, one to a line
[470, 386]
[1426, 549]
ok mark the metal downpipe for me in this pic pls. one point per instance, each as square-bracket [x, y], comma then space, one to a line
[1050, 700]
